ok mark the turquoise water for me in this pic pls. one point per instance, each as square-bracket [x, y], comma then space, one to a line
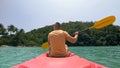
[108, 56]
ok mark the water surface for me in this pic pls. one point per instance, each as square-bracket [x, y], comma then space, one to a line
[108, 56]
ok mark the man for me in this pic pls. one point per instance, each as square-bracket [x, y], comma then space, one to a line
[57, 39]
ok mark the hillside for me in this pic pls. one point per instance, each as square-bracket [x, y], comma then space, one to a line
[108, 36]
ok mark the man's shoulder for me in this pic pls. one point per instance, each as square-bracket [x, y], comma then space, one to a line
[65, 31]
[52, 32]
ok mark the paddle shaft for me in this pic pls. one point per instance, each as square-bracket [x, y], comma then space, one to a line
[84, 30]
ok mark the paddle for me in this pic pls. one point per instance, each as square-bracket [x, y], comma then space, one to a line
[98, 24]
[45, 45]
[102, 23]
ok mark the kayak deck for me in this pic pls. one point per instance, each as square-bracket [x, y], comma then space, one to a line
[73, 61]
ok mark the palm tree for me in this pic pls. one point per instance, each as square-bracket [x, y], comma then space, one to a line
[2, 30]
[12, 29]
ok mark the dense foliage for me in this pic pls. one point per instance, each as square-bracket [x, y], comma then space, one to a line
[108, 36]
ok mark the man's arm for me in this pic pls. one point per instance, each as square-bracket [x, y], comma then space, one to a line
[70, 38]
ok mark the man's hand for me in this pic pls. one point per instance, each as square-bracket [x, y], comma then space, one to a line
[76, 33]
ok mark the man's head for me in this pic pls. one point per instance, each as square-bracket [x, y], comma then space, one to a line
[56, 26]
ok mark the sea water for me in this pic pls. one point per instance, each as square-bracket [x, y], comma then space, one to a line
[108, 55]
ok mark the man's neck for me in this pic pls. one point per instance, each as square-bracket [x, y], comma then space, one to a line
[56, 29]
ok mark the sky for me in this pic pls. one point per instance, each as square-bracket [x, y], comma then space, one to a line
[33, 14]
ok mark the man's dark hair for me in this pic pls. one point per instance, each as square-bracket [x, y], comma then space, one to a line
[57, 24]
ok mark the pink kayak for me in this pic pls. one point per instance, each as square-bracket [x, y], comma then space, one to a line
[73, 61]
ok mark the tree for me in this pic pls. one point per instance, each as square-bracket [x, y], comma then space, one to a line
[20, 38]
[12, 29]
[2, 30]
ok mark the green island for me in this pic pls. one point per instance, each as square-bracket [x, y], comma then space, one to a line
[108, 36]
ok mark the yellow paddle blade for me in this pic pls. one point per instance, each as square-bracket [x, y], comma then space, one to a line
[103, 22]
[45, 45]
